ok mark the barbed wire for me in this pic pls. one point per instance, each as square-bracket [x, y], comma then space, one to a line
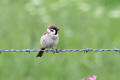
[64, 50]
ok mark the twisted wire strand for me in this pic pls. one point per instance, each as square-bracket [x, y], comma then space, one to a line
[64, 50]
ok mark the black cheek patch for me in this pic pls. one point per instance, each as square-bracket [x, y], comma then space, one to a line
[56, 31]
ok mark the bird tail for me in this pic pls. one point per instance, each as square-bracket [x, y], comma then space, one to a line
[40, 54]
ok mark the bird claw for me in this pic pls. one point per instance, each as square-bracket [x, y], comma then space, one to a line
[46, 50]
[53, 51]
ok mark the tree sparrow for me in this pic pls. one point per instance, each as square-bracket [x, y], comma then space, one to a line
[49, 39]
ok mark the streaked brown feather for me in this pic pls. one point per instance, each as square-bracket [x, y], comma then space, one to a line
[45, 33]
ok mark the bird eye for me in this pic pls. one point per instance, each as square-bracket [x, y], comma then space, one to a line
[51, 30]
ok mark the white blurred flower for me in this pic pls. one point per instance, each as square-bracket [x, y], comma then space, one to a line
[37, 2]
[114, 14]
[99, 11]
[84, 7]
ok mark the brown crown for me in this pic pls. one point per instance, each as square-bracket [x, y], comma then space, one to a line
[53, 27]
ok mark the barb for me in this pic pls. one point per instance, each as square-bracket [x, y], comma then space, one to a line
[64, 50]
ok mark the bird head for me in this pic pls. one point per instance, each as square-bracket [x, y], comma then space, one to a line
[52, 29]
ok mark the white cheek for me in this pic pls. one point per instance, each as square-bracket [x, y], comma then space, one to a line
[53, 32]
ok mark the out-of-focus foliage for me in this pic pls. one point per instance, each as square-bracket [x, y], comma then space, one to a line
[83, 24]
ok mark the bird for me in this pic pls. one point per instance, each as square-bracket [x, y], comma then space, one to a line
[49, 39]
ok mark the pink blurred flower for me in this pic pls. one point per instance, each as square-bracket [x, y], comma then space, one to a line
[90, 78]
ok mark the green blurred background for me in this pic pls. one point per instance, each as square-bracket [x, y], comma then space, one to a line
[82, 23]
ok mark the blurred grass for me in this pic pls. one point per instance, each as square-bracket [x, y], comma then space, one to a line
[83, 24]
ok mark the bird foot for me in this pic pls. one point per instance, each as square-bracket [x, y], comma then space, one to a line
[46, 50]
[53, 51]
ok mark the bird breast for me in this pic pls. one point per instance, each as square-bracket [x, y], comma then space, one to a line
[49, 41]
